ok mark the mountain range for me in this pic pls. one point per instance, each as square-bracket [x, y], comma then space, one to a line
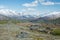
[6, 14]
[14, 14]
[53, 17]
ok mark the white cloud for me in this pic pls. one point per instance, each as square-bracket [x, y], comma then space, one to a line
[47, 3]
[31, 9]
[32, 13]
[34, 3]
[28, 9]
[42, 2]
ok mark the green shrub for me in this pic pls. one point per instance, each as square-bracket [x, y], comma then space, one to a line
[56, 32]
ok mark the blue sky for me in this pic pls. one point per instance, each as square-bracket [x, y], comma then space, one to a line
[31, 6]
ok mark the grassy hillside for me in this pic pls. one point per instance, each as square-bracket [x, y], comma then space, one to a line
[56, 21]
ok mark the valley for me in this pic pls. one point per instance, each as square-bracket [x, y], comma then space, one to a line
[17, 26]
[28, 31]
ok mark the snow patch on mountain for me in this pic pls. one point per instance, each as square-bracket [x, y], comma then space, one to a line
[7, 12]
[14, 14]
[23, 15]
[53, 15]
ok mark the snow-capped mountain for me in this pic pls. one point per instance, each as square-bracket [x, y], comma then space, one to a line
[14, 14]
[51, 16]
[8, 12]
[48, 17]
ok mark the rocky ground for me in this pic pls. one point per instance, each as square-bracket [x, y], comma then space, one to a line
[16, 32]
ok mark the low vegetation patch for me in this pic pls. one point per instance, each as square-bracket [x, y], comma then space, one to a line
[3, 21]
[56, 32]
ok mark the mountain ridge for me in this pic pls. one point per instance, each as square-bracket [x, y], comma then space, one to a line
[16, 16]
